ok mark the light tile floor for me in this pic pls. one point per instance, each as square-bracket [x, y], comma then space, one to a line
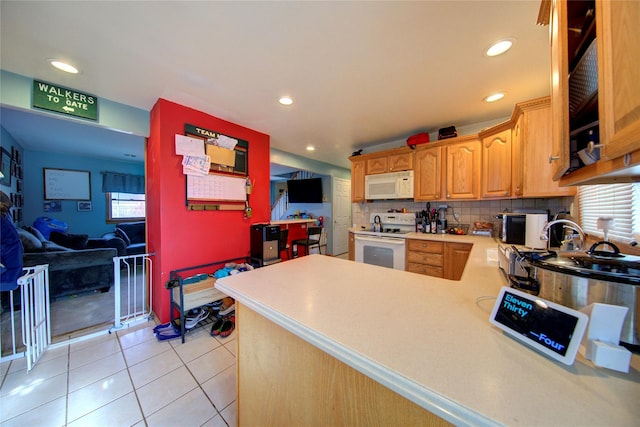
[128, 378]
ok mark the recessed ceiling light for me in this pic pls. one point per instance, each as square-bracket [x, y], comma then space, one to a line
[310, 148]
[285, 100]
[499, 47]
[65, 67]
[494, 97]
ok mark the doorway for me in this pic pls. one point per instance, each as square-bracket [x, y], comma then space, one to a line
[341, 215]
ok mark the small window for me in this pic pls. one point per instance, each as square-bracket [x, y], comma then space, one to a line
[125, 207]
[618, 201]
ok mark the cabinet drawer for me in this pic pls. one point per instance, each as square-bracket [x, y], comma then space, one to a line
[428, 270]
[425, 246]
[426, 258]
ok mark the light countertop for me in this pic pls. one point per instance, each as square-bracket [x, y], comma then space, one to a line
[430, 340]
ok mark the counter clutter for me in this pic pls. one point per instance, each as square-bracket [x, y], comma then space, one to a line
[430, 341]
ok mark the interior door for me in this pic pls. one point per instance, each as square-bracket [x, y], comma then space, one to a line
[341, 215]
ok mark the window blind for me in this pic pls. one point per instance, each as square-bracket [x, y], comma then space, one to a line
[618, 201]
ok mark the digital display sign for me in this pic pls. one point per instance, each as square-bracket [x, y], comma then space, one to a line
[546, 326]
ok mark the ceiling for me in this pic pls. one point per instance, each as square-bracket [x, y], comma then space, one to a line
[360, 73]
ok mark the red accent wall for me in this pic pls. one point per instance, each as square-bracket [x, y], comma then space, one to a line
[181, 238]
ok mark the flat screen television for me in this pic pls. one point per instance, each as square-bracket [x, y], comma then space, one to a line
[305, 190]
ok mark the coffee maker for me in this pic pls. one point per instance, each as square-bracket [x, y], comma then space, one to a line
[442, 219]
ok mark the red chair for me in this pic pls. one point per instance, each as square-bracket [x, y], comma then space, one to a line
[283, 244]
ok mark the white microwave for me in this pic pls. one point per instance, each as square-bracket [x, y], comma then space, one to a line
[395, 185]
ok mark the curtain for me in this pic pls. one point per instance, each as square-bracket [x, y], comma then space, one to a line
[113, 182]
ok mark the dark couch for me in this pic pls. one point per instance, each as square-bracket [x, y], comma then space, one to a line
[128, 238]
[76, 263]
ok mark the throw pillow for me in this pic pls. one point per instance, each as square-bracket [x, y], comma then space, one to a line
[36, 233]
[68, 240]
[121, 234]
[30, 243]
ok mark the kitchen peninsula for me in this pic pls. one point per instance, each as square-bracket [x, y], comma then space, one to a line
[326, 341]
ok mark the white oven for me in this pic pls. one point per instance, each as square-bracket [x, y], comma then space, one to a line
[384, 251]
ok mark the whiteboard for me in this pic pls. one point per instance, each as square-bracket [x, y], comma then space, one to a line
[216, 187]
[65, 184]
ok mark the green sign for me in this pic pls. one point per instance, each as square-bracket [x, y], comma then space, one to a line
[66, 101]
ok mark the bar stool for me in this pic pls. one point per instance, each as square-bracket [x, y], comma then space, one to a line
[283, 244]
[310, 241]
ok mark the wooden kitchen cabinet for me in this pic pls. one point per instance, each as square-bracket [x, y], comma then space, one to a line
[455, 259]
[618, 37]
[463, 163]
[438, 259]
[532, 174]
[614, 111]
[428, 173]
[425, 257]
[496, 163]
[357, 179]
[397, 160]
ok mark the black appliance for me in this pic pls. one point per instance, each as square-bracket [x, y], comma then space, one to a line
[513, 228]
[265, 241]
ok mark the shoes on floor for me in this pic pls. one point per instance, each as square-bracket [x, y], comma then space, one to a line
[168, 331]
[191, 321]
[223, 326]
[228, 305]
[228, 326]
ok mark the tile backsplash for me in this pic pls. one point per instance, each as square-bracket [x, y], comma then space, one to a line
[467, 212]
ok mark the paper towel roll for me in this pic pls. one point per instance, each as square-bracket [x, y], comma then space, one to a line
[534, 225]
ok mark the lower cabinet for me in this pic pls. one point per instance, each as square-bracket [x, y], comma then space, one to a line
[455, 256]
[438, 259]
[425, 257]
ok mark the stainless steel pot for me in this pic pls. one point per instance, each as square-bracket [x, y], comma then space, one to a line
[578, 281]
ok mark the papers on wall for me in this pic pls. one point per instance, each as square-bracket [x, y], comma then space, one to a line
[196, 165]
[216, 187]
[188, 146]
[223, 141]
[194, 160]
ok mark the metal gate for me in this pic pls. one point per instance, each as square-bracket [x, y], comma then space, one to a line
[132, 287]
[35, 316]
[133, 290]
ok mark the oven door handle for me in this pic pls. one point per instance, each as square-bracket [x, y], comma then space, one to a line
[391, 240]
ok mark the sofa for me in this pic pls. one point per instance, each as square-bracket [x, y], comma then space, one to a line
[76, 263]
[128, 238]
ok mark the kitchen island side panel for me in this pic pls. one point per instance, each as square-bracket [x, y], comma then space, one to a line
[283, 381]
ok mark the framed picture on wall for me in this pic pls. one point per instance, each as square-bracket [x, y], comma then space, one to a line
[5, 168]
[84, 206]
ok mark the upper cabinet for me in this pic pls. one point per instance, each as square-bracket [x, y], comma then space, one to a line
[428, 173]
[618, 35]
[496, 163]
[595, 92]
[392, 161]
[531, 141]
[357, 179]
[463, 164]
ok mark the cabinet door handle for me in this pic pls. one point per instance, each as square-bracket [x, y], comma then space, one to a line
[553, 158]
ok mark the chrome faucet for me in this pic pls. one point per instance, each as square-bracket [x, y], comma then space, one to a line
[544, 233]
